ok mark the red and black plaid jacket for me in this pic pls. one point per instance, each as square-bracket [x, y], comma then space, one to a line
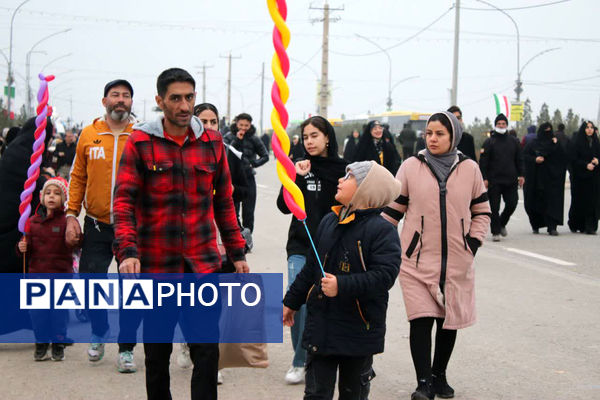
[166, 198]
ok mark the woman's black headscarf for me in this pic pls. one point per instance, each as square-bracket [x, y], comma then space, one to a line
[329, 168]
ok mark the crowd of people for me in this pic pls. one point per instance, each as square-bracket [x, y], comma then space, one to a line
[178, 195]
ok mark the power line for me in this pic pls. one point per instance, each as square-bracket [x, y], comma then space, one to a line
[400, 43]
[518, 8]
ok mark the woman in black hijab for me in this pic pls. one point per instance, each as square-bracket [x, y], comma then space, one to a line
[584, 154]
[544, 189]
[377, 145]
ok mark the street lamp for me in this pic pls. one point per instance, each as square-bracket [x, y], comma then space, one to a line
[56, 59]
[519, 88]
[9, 80]
[403, 80]
[389, 99]
[28, 66]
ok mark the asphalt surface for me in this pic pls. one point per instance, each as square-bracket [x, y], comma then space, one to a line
[537, 335]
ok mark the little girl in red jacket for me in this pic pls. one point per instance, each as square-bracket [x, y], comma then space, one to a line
[48, 252]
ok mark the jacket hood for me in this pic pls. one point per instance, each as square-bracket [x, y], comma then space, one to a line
[156, 127]
[250, 132]
[377, 190]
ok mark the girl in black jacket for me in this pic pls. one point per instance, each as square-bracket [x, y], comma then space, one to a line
[584, 154]
[346, 309]
[377, 145]
[317, 178]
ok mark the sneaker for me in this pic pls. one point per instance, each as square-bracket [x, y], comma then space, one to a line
[125, 363]
[553, 232]
[503, 231]
[95, 352]
[58, 351]
[441, 387]
[424, 391]
[183, 358]
[495, 238]
[247, 235]
[536, 231]
[219, 378]
[295, 375]
[41, 351]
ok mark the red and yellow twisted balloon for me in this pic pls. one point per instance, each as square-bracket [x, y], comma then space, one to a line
[280, 92]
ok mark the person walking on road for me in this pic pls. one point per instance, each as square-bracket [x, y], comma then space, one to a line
[173, 183]
[48, 252]
[467, 144]
[544, 189]
[408, 138]
[92, 182]
[297, 149]
[346, 309]
[317, 177]
[64, 155]
[243, 138]
[501, 164]
[442, 192]
[350, 144]
[584, 155]
[375, 145]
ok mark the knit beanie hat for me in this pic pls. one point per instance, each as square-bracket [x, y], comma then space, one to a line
[61, 183]
[359, 170]
[500, 117]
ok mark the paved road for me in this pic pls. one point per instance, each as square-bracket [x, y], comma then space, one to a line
[536, 337]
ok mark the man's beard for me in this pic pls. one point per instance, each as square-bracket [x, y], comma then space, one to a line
[118, 116]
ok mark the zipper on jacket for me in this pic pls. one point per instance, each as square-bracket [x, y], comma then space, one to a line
[462, 225]
[360, 254]
[367, 325]
[420, 239]
[444, 222]
[309, 291]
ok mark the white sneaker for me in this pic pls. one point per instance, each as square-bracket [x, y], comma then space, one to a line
[183, 358]
[95, 352]
[219, 378]
[125, 363]
[295, 375]
[495, 238]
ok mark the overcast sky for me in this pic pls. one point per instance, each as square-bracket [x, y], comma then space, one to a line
[121, 39]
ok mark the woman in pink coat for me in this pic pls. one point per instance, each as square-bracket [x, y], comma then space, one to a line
[447, 215]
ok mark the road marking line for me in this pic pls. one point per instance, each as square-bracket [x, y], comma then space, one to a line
[540, 257]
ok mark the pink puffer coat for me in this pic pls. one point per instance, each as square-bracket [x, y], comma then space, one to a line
[441, 233]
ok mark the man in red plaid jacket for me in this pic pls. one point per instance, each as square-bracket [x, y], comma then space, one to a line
[173, 181]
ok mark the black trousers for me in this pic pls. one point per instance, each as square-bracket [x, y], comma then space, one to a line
[159, 325]
[510, 194]
[205, 357]
[420, 347]
[96, 256]
[49, 326]
[355, 373]
[248, 205]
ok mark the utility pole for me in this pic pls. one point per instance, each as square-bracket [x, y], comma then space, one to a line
[262, 97]
[454, 93]
[204, 66]
[229, 57]
[9, 79]
[324, 87]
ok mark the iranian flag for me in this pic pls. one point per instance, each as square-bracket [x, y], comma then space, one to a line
[502, 105]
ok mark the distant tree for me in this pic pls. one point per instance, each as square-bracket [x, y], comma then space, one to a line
[556, 119]
[544, 115]
[571, 122]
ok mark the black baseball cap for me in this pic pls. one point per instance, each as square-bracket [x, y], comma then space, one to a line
[118, 82]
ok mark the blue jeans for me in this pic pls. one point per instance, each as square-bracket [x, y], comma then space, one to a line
[295, 264]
